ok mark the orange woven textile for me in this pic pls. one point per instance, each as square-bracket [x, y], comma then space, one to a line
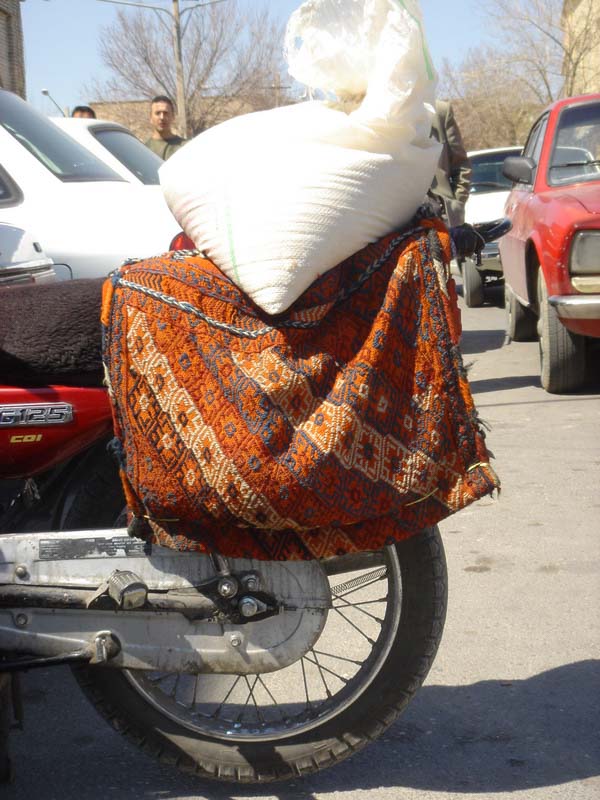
[342, 425]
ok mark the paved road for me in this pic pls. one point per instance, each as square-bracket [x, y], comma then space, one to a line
[512, 702]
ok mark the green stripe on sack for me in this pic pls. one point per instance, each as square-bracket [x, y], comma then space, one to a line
[428, 64]
[230, 241]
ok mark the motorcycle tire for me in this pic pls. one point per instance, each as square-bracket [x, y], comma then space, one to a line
[5, 724]
[417, 581]
[94, 498]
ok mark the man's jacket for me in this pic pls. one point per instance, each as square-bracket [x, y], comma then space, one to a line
[453, 176]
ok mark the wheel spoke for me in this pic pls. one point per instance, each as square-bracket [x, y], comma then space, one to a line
[314, 688]
[364, 602]
[356, 628]
[216, 713]
[176, 685]
[251, 690]
[318, 666]
[356, 606]
[323, 668]
[308, 703]
[275, 703]
[339, 658]
[195, 693]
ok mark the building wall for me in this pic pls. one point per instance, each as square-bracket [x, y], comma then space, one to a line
[12, 60]
[134, 114]
[581, 18]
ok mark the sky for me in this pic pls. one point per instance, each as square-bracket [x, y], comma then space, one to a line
[62, 54]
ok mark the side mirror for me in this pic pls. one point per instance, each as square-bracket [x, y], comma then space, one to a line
[519, 169]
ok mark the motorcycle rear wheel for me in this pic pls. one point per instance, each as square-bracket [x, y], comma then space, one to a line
[196, 731]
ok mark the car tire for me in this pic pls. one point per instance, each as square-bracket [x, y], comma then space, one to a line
[562, 353]
[472, 284]
[520, 320]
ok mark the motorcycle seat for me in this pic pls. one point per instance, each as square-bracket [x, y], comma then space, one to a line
[50, 333]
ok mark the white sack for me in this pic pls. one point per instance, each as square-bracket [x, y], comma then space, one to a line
[278, 197]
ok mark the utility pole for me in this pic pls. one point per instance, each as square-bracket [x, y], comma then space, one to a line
[176, 16]
[181, 106]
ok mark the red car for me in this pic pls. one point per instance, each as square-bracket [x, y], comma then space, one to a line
[551, 257]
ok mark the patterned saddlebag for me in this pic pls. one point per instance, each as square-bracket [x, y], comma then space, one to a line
[342, 425]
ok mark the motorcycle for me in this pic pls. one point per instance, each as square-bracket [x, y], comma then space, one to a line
[233, 669]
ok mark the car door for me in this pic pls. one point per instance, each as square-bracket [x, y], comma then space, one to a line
[519, 207]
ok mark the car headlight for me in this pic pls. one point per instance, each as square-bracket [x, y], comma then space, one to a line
[585, 253]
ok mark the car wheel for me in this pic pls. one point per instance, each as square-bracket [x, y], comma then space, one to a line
[472, 284]
[520, 320]
[562, 353]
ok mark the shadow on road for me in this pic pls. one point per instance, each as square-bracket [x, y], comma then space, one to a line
[505, 382]
[481, 341]
[491, 736]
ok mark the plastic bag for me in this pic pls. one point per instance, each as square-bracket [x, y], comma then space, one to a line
[276, 198]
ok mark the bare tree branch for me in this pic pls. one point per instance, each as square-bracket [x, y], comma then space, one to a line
[557, 36]
[233, 61]
[546, 53]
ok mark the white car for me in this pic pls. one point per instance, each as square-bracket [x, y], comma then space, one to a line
[489, 190]
[85, 214]
[22, 259]
[116, 146]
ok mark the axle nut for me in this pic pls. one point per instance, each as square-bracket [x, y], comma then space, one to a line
[235, 640]
[227, 587]
[251, 582]
[248, 607]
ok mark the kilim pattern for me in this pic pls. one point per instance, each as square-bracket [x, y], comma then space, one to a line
[342, 425]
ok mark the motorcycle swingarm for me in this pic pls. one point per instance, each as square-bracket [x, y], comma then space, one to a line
[104, 597]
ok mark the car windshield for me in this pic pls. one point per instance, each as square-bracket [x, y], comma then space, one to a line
[65, 159]
[131, 153]
[487, 171]
[576, 151]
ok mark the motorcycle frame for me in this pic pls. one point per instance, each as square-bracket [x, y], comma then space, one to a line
[56, 606]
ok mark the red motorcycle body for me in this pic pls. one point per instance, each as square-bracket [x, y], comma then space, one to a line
[41, 427]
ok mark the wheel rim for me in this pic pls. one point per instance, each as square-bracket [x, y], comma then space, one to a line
[349, 654]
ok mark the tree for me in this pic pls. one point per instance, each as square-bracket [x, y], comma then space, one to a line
[232, 61]
[491, 106]
[548, 41]
[544, 55]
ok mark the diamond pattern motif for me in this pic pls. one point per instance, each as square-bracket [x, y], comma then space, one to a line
[338, 427]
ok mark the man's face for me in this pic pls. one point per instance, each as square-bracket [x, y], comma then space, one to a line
[161, 117]
[82, 115]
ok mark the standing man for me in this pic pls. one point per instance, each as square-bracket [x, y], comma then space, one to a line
[452, 179]
[163, 141]
[83, 112]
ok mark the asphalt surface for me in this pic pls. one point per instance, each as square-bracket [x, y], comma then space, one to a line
[512, 702]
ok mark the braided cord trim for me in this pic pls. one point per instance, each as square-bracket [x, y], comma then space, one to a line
[343, 295]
